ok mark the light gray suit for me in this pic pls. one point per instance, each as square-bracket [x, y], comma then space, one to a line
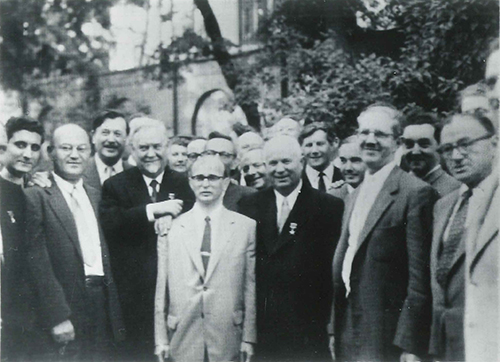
[482, 322]
[91, 175]
[216, 310]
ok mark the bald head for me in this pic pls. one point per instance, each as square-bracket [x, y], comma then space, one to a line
[288, 127]
[248, 141]
[283, 163]
[70, 151]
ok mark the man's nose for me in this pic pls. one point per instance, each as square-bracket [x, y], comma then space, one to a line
[456, 155]
[280, 167]
[371, 138]
[28, 153]
[150, 152]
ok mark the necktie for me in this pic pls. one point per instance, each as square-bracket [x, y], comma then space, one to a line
[154, 194]
[321, 182]
[451, 245]
[206, 243]
[285, 211]
[86, 243]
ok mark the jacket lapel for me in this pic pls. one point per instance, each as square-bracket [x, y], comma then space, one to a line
[384, 199]
[191, 243]
[267, 217]
[138, 190]
[224, 234]
[62, 211]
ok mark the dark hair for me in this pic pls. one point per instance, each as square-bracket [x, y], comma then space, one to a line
[179, 140]
[419, 117]
[108, 114]
[480, 117]
[117, 102]
[216, 134]
[23, 123]
[241, 129]
[312, 128]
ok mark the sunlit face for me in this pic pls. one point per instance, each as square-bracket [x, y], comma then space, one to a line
[177, 158]
[149, 149]
[284, 167]
[109, 140]
[420, 148]
[351, 164]
[70, 152]
[476, 162]
[22, 152]
[287, 127]
[318, 152]
[194, 150]
[376, 139]
[208, 191]
[253, 167]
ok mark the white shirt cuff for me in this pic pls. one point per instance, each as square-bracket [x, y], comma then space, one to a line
[149, 213]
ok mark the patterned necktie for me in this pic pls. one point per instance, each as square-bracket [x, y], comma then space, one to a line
[321, 182]
[154, 193]
[451, 245]
[285, 211]
[206, 243]
[87, 245]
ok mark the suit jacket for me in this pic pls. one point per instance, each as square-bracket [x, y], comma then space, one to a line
[216, 309]
[91, 176]
[233, 195]
[442, 182]
[447, 331]
[56, 261]
[482, 323]
[337, 176]
[17, 294]
[132, 242]
[389, 306]
[293, 271]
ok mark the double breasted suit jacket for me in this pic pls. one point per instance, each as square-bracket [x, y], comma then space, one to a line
[215, 309]
[56, 261]
[132, 242]
[482, 301]
[293, 271]
[447, 330]
[389, 306]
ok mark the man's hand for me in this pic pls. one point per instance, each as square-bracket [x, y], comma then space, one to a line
[169, 207]
[408, 357]
[162, 352]
[162, 225]
[331, 347]
[63, 332]
[41, 179]
[246, 352]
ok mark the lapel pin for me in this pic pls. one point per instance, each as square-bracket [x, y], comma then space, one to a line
[293, 228]
[12, 218]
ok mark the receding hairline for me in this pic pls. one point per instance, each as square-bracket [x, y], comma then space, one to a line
[209, 159]
[283, 142]
[68, 125]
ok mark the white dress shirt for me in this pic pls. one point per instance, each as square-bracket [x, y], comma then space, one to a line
[313, 176]
[199, 215]
[147, 180]
[92, 231]
[291, 198]
[104, 170]
[369, 190]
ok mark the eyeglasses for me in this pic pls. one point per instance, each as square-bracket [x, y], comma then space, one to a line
[422, 143]
[364, 133]
[462, 146]
[193, 156]
[246, 168]
[222, 154]
[210, 178]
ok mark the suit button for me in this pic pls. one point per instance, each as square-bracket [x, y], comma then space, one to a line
[205, 289]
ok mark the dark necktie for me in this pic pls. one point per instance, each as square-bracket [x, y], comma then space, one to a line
[206, 243]
[321, 182]
[451, 245]
[154, 195]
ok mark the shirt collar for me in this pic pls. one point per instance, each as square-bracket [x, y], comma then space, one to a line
[382, 174]
[483, 185]
[438, 166]
[101, 166]
[158, 179]
[67, 186]
[291, 198]
[350, 189]
[201, 214]
[314, 174]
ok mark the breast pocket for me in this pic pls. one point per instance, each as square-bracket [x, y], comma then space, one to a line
[387, 243]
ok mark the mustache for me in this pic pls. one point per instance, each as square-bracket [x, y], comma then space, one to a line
[350, 172]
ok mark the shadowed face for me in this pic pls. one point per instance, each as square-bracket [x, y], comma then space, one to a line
[420, 148]
[22, 152]
[351, 164]
[253, 167]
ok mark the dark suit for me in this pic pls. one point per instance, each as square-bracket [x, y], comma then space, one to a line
[442, 182]
[56, 262]
[18, 313]
[91, 175]
[293, 273]
[447, 332]
[233, 195]
[337, 176]
[132, 244]
[388, 308]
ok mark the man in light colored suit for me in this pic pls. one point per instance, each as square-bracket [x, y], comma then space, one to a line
[382, 297]
[470, 146]
[420, 140]
[205, 292]
[109, 133]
